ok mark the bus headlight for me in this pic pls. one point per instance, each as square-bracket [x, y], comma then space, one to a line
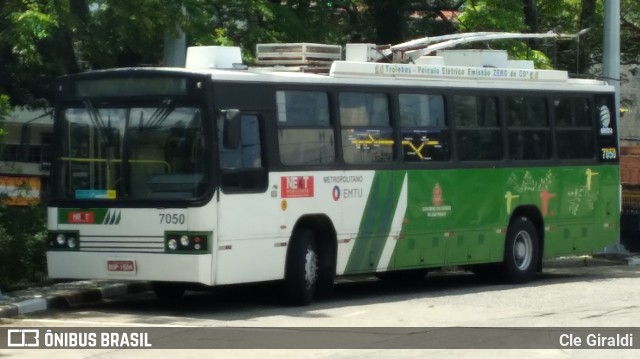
[172, 244]
[184, 241]
[187, 242]
[63, 240]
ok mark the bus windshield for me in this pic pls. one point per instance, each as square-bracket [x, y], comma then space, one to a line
[130, 153]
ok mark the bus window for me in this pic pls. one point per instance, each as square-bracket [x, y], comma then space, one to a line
[574, 128]
[305, 135]
[425, 136]
[421, 110]
[479, 137]
[529, 132]
[367, 136]
[242, 168]
[128, 153]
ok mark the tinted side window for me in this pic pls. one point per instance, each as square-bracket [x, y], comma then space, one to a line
[242, 168]
[479, 135]
[425, 136]
[529, 132]
[248, 154]
[574, 128]
[367, 136]
[305, 135]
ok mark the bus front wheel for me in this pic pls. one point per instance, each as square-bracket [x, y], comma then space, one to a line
[521, 251]
[301, 272]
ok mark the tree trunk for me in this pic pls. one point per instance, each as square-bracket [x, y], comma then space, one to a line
[389, 20]
[64, 37]
[584, 42]
[531, 15]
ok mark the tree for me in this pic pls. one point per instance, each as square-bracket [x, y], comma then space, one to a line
[507, 16]
[40, 40]
[630, 32]
[4, 106]
[5, 109]
[22, 26]
[43, 39]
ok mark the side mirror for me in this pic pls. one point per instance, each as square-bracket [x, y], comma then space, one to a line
[231, 129]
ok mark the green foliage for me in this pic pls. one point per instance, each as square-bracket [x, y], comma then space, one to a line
[42, 39]
[127, 33]
[493, 15]
[245, 23]
[630, 31]
[22, 246]
[566, 17]
[29, 26]
[4, 106]
[503, 16]
[5, 109]
[22, 235]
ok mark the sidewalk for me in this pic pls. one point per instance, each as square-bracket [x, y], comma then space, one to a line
[63, 295]
[592, 261]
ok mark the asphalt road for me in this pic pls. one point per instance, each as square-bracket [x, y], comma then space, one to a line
[588, 297]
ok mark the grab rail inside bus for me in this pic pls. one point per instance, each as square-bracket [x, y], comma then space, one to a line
[108, 161]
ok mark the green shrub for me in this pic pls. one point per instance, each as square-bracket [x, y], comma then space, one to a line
[22, 246]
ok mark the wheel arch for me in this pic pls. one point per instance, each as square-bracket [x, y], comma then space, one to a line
[535, 216]
[326, 240]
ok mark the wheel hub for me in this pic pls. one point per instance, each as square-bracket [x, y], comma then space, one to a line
[310, 268]
[523, 250]
[520, 250]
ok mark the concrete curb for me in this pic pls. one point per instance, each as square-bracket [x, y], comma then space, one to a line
[586, 261]
[64, 295]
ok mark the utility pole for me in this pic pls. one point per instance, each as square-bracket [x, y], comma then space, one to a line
[611, 50]
[611, 73]
[175, 48]
[175, 45]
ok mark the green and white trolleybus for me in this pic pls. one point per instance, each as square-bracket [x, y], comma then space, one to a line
[219, 174]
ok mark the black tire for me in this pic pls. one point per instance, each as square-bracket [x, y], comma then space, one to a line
[521, 251]
[302, 268]
[168, 291]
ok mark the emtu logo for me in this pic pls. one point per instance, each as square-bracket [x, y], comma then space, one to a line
[23, 338]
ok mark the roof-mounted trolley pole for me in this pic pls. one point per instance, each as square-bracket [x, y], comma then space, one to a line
[410, 50]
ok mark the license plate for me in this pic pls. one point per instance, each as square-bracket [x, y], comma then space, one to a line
[122, 266]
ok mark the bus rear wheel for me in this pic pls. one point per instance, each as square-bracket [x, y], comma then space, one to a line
[302, 268]
[521, 252]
